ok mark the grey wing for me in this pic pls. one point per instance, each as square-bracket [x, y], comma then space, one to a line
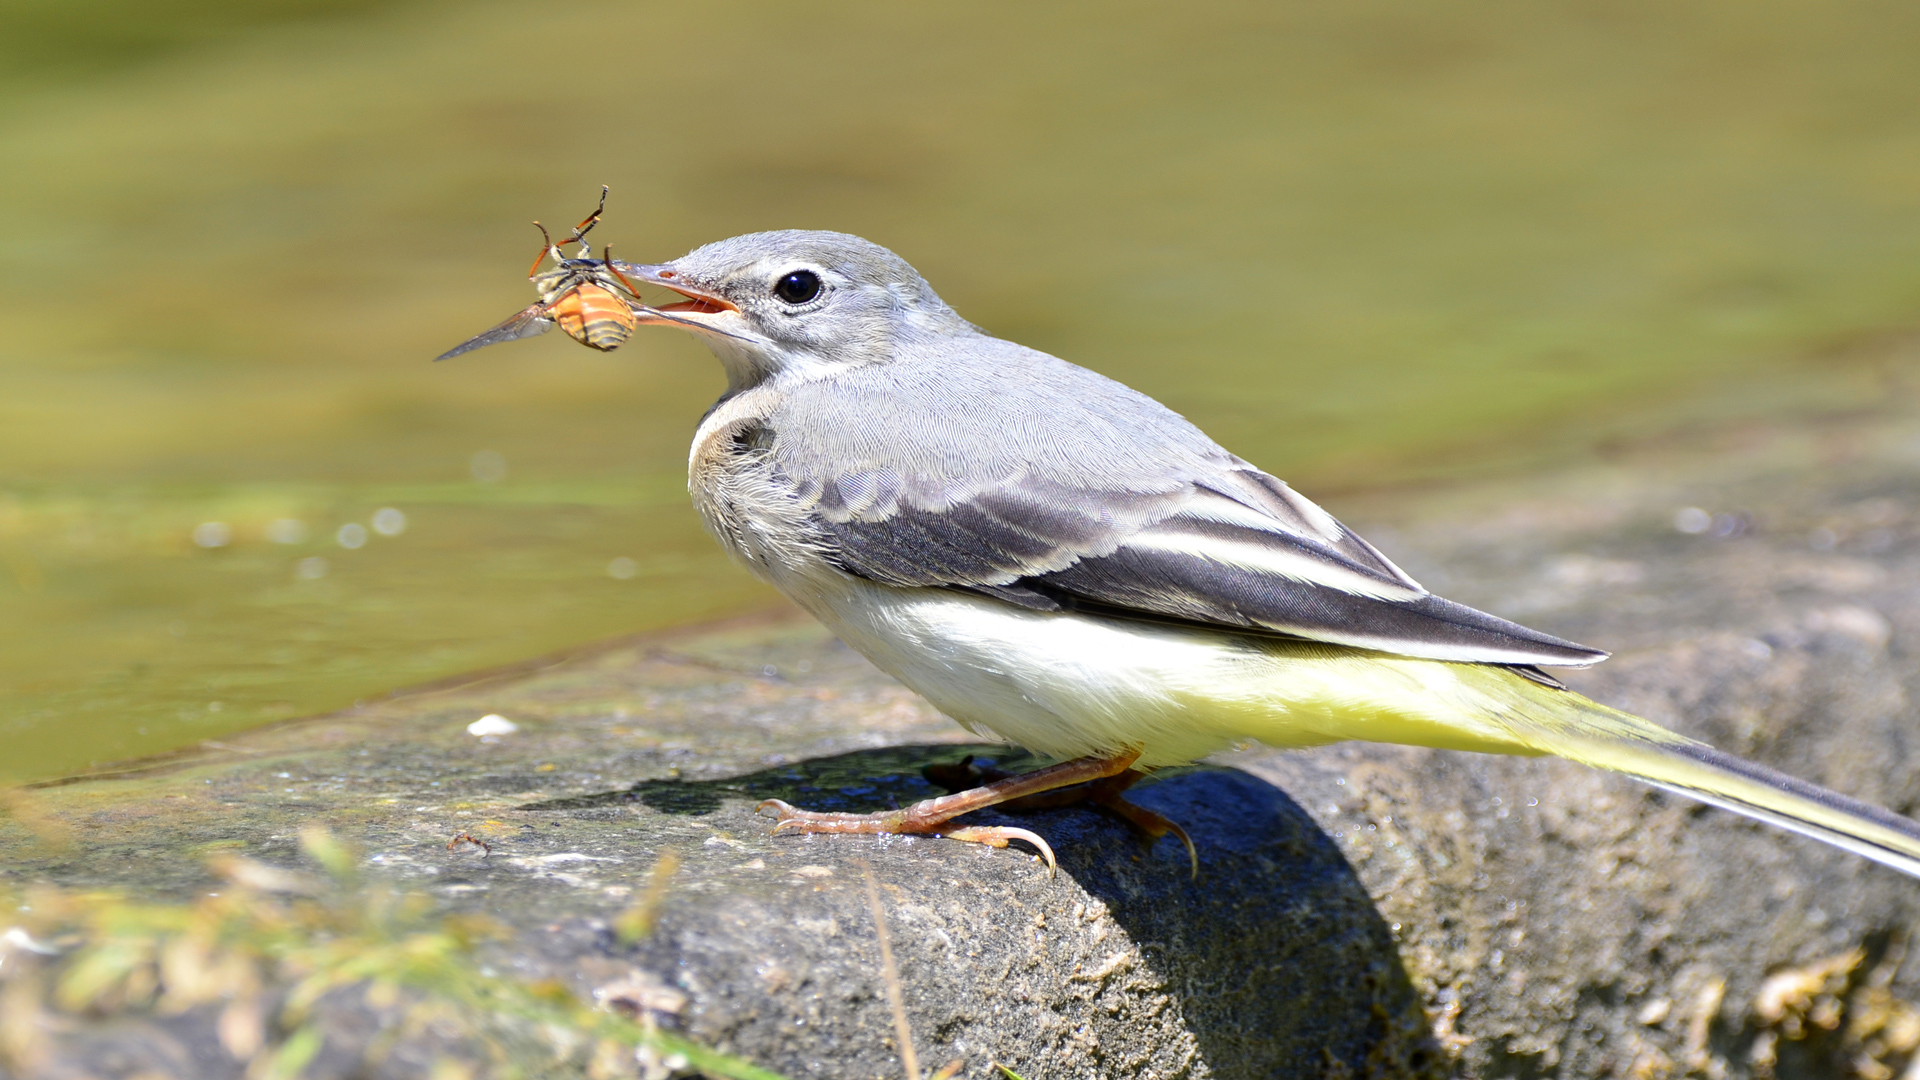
[1239, 549]
[528, 323]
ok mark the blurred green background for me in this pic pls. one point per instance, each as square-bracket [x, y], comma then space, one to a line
[1360, 243]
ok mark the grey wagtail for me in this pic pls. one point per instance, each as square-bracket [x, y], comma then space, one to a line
[1051, 556]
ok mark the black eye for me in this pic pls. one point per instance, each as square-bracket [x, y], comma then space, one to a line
[798, 287]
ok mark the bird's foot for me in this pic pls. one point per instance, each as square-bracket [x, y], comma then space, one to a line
[1107, 793]
[794, 819]
[929, 817]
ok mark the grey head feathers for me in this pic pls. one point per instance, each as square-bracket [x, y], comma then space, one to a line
[868, 300]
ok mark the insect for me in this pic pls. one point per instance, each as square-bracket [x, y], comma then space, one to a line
[486, 849]
[582, 294]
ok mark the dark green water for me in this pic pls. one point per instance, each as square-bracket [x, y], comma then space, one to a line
[1359, 243]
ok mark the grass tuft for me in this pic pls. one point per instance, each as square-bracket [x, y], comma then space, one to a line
[274, 959]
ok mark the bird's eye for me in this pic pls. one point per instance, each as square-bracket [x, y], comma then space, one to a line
[797, 287]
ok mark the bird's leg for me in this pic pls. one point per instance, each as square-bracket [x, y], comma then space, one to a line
[1105, 793]
[929, 817]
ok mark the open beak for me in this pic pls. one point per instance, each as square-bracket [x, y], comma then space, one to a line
[701, 310]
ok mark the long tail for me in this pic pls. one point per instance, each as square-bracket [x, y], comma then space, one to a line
[1567, 725]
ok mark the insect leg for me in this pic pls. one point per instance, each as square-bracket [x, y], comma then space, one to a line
[607, 252]
[547, 249]
[586, 225]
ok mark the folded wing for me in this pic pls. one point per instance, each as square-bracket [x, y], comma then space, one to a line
[1238, 549]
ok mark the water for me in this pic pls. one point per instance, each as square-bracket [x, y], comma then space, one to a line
[1359, 243]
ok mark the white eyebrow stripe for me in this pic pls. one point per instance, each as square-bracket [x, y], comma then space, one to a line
[1273, 559]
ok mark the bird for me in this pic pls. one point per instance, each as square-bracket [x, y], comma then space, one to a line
[1061, 561]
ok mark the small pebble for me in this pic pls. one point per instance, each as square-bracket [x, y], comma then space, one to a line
[492, 724]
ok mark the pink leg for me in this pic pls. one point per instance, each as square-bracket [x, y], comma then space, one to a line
[929, 817]
[1106, 793]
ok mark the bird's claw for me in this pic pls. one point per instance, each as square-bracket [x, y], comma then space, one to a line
[998, 835]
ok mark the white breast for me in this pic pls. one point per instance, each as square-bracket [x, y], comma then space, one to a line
[746, 507]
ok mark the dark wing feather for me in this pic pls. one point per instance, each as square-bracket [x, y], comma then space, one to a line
[528, 323]
[994, 538]
[1241, 550]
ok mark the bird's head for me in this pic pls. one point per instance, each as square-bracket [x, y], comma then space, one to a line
[796, 301]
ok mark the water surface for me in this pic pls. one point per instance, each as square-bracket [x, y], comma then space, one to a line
[1359, 243]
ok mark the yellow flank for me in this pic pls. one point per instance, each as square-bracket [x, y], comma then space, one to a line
[1287, 693]
[1069, 685]
[1304, 694]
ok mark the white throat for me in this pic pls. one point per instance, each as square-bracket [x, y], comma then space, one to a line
[750, 363]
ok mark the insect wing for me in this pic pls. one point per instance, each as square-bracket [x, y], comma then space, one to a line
[528, 323]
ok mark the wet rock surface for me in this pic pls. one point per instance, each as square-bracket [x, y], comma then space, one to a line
[1360, 910]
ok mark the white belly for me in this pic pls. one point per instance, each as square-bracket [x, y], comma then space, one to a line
[1058, 684]
[1069, 684]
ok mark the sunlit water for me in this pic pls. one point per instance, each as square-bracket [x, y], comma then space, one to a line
[1357, 242]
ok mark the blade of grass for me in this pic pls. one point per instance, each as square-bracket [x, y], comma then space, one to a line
[902, 1031]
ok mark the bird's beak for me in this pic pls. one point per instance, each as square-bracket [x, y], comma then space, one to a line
[701, 310]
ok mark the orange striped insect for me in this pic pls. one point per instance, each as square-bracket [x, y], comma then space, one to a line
[582, 295]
